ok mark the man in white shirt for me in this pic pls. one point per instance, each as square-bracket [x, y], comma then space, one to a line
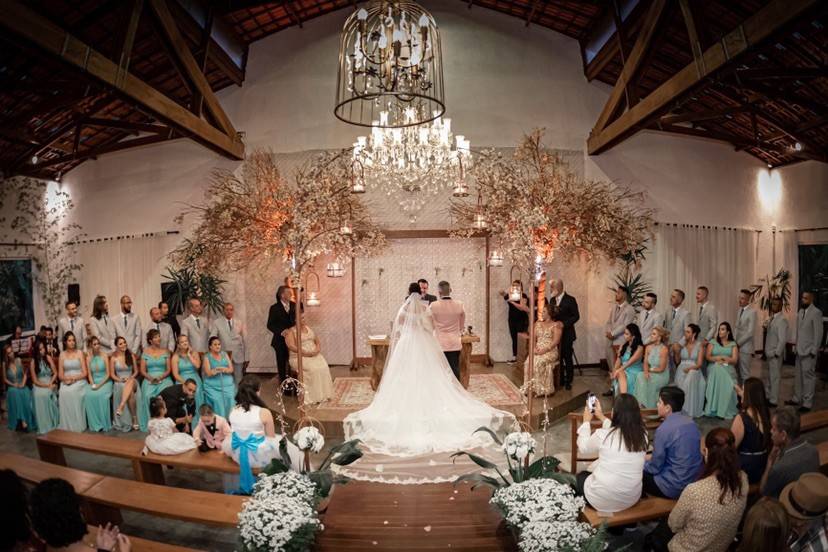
[621, 314]
[743, 330]
[808, 342]
[706, 317]
[196, 327]
[649, 318]
[74, 323]
[775, 342]
[676, 320]
[166, 331]
[102, 326]
[128, 326]
[231, 333]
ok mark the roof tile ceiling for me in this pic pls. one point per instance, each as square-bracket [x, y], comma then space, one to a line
[771, 100]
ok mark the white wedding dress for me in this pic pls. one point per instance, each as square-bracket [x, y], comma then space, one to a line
[420, 408]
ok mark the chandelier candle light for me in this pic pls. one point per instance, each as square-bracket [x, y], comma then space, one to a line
[390, 60]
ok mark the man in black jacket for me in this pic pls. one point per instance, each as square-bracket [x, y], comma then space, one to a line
[568, 314]
[180, 402]
[282, 316]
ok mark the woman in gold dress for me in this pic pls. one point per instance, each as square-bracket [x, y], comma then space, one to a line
[547, 351]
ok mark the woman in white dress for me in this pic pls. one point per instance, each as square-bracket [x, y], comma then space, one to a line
[254, 441]
[420, 407]
[316, 375]
[163, 437]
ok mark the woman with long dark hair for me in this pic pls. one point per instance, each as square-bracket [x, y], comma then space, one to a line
[708, 512]
[689, 376]
[155, 367]
[614, 484]
[99, 394]
[752, 429]
[219, 387]
[723, 355]
[72, 372]
[126, 393]
[629, 362]
[254, 441]
[44, 389]
[18, 395]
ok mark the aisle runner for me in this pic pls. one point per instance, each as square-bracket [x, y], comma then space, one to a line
[355, 392]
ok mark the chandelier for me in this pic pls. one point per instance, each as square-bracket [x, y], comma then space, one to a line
[390, 60]
[411, 163]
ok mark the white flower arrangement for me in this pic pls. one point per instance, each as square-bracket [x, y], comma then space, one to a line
[519, 445]
[537, 500]
[309, 438]
[288, 484]
[277, 523]
[555, 536]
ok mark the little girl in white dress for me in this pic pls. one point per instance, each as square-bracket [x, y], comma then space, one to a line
[163, 437]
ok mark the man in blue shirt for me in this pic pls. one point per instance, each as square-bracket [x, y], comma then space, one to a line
[676, 460]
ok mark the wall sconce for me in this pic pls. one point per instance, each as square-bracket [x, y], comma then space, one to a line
[313, 294]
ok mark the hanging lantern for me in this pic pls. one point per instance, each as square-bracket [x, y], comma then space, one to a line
[516, 289]
[461, 189]
[313, 294]
[335, 269]
[357, 178]
[345, 227]
[495, 258]
[479, 215]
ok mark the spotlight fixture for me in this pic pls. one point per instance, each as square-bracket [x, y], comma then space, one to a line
[797, 146]
[34, 159]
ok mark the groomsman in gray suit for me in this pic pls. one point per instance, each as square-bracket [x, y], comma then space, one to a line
[648, 318]
[620, 315]
[128, 326]
[231, 333]
[706, 318]
[808, 342]
[743, 331]
[166, 331]
[102, 326]
[775, 342]
[196, 327]
[72, 322]
[676, 320]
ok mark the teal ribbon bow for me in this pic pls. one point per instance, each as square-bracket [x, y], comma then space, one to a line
[246, 446]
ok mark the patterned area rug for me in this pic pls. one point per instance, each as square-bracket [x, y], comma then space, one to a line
[352, 393]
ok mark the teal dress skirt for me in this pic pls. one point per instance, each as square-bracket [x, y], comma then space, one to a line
[70, 402]
[647, 390]
[631, 371]
[98, 401]
[156, 366]
[19, 399]
[692, 383]
[187, 371]
[720, 394]
[45, 400]
[219, 390]
[124, 421]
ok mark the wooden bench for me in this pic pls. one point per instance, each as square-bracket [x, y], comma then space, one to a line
[138, 544]
[646, 509]
[823, 457]
[104, 496]
[813, 420]
[651, 421]
[149, 468]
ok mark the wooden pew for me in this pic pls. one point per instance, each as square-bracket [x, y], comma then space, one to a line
[104, 497]
[651, 421]
[813, 420]
[138, 544]
[823, 457]
[646, 509]
[149, 468]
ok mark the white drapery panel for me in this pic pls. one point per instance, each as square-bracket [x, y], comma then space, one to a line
[688, 256]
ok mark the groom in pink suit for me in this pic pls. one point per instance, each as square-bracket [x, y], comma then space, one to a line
[449, 318]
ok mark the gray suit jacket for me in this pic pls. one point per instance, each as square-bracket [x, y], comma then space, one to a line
[197, 333]
[777, 336]
[232, 339]
[131, 331]
[618, 319]
[647, 323]
[104, 330]
[743, 329]
[676, 320]
[808, 331]
[77, 327]
[708, 322]
[167, 337]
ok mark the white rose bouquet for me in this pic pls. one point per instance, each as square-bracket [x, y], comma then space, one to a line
[309, 438]
[519, 445]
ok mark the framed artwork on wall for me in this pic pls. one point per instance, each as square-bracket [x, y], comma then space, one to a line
[16, 295]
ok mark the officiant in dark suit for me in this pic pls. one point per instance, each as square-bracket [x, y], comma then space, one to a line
[424, 291]
[281, 317]
[568, 314]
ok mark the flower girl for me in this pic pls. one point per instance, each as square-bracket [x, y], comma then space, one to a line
[163, 437]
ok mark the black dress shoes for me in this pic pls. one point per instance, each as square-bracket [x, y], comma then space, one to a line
[804, 409]
[791, 403]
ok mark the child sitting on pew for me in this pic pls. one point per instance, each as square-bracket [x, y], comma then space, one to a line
[211, 430]
[163, 437]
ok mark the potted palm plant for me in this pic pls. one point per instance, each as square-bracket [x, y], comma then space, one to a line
[769, 288]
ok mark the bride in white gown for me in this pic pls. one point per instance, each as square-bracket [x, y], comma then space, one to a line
[420, 407]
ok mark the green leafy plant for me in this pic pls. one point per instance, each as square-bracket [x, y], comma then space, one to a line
[769, 288]
[191, 284]
[323, 477]
[630, 278]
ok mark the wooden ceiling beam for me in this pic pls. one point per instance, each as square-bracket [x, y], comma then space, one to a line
[696, 116]
[35, 28]
[203, 55]
[97, 151]
[774, 73]
[735, 140]
[609, 51]
[125, 125]
[755, 29]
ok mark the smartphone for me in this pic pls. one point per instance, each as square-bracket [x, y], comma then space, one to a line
[591, 400]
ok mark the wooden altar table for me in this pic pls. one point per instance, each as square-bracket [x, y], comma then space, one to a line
[379, 350]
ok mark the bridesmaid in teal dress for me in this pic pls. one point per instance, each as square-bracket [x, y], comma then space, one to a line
[723, 354]
[185, 365]
[628, 363]
[123, 369]
[219, 389]
[18, 395]
[689, 377]
[44, 386]
[99, 395]
[656, 372]
[155, 367]
[72, 373]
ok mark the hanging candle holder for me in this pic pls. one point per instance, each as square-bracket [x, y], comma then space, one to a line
[461, 189]
[313, 294]
[495, 258]
[516, 290]
[480, 222]
[335, 269]
[357, 177]
[346, 226]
